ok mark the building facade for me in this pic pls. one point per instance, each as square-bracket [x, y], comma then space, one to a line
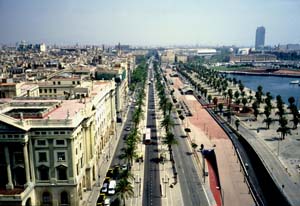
[260, 37]
[50, 149]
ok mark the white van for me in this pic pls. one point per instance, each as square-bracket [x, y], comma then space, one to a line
[112, 187]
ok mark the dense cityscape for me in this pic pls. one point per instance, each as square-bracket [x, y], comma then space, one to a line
[85, 124]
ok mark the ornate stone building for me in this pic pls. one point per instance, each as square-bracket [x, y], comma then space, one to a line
[50, 149]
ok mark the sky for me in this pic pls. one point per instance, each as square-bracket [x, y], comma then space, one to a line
[149, 22]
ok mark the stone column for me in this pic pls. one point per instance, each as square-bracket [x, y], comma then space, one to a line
[9, 185]
[26, 162]
[31, 161]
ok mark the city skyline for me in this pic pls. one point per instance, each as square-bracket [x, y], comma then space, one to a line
[149, 23]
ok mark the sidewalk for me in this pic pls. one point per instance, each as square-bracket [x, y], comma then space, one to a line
[90, 198]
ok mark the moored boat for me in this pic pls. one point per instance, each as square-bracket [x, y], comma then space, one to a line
[294, 82]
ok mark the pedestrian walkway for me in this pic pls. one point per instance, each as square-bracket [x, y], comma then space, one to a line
[204, 130]
[170, 190]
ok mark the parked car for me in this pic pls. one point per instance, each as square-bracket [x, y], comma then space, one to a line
[104, 188]
[100, 200]
[112, 187]
[109, 173]
[107, 201]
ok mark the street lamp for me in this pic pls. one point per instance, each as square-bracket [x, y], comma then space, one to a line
[165, 181]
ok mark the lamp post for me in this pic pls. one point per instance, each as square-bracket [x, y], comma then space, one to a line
[203, 166]
[165, 181]
[278, 147]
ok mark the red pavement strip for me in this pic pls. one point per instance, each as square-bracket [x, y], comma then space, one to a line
[213, 182]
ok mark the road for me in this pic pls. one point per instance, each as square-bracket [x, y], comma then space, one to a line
[152, 191]
[189, 179]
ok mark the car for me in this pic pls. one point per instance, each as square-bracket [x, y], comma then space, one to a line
[109, 173]
[112, 187]
[127, 128]
[106, 180]
[107, 201]
[104, 187]
[116, 171]
[124, 167]
[100, 200]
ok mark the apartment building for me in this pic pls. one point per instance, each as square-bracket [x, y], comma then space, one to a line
[50, 148]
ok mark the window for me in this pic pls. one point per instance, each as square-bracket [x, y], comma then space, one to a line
[45, 90]
[46, 198]
[50, 90]
[61, 172]
[53, 83]
[62, 132]
[64, 198]
[42, 157]
[78, 82]
[43, 172]
[41, 91]
[61, 156]
[60, 142]
[41, 142]
[73, 82]
[58, 83]
[54, 90]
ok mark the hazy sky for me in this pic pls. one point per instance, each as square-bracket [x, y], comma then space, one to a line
[149, 22]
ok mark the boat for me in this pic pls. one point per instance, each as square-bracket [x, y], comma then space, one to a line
[294, 82]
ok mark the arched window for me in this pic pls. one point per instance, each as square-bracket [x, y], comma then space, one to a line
[43, 172]
[61, 172]
[64, 198]
[46, 199]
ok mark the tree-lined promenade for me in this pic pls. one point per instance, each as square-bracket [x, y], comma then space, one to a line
[223, 91]
[129, 152]
[271, 121]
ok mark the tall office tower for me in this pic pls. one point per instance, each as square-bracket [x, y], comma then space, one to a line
[260, 37]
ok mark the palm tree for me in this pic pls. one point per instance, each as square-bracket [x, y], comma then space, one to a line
[291, 100]
[244, 102]
[126, 174]
[128, 154]
[167, 123]
[268, 122]
[283, 129]
[169, 140]
[220, 106]
[124, 190]
[209, 98]
[169, 107]
[267, 111]
[215, 101]
[230, 95]
[236, 94]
